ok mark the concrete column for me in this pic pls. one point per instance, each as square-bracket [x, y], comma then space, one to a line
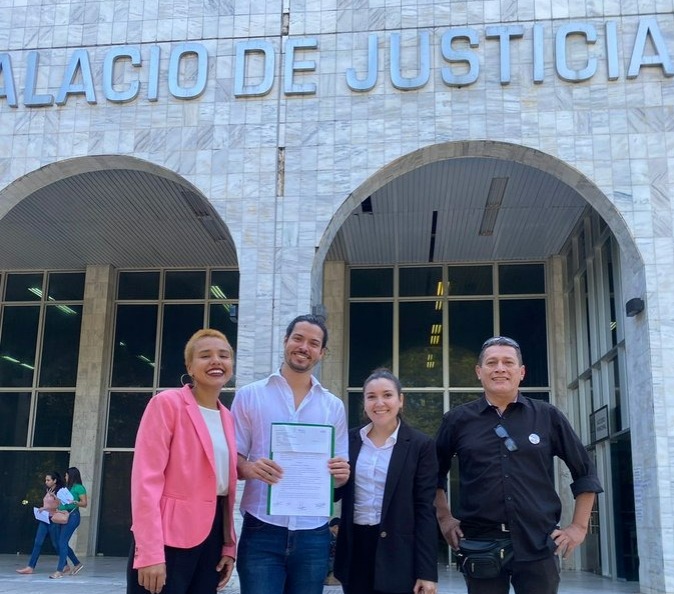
[334, 299]
[90, 414]
[559, 395]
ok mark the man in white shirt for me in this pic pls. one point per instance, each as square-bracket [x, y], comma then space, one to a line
[285, 554]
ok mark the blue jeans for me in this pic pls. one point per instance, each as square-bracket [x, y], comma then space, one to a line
[64, 535]
[275, 560]
[42, 530]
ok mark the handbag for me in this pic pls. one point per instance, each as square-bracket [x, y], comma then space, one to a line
[484, 558]
[50, 502]
[60, 516]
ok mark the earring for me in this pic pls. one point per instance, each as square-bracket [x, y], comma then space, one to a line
[185, 382]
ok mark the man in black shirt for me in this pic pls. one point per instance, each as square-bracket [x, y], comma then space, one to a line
[505, 444]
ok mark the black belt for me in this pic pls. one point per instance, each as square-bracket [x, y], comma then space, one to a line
[485, 530]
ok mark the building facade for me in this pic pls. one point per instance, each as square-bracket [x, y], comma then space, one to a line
[426, 174]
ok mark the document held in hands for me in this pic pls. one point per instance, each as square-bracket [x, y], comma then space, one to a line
[303, 452]
[42, 515]
[64, 495]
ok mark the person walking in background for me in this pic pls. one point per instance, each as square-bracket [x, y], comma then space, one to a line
[387, 540]
[53, 483]
[285, 554]
[505, 444]
[183, 480]
[73, 482]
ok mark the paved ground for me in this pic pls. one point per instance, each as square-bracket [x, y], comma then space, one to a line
[105, 575]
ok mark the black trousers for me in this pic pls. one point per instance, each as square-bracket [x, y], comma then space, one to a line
[527, 577]
[361, 574]
[188, 571]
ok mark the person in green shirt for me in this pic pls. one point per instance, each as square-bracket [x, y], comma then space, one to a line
[74, 484]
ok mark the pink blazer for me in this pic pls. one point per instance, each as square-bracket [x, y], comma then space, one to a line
[173, 483]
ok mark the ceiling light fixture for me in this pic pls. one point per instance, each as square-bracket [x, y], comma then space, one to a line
[217, 292]
[491, 208]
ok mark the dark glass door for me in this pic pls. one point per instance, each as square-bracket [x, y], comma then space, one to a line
[22, 476]
[114, 523]
[624, 518]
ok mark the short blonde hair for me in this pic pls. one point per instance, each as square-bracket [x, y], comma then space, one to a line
[198, 335]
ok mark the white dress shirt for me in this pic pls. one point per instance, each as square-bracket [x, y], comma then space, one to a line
[258, 405]
[371, 470]
[220, 449]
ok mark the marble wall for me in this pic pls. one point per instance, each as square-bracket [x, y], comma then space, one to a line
[282, 167]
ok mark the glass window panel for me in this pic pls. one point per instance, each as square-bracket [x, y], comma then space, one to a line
[581, 246]
[135, 345]
[518, 279]
[54, 419]
[66, 286]
[371, 282]
[584, 319]
[543, 396]
[470, 280]
[14, 413]
[138, 285]
[185, 284]
[524, 321]
[470, 324]
[370, 339]
[180, 322]
[220, 319]
[126, 409]
[22, 474]
[227, 397]
[24, 287]
[357, 415]
[224, 284]
[614, 394]
[18, 340]
[420, 282]
[625, 517]
[608, 263]
[572, 350]
[60, 345]
[114, 534]
[423, 410]
[420, 344]
[459, 398]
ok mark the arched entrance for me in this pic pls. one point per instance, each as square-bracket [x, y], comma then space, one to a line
[107, 265]
[456, 242]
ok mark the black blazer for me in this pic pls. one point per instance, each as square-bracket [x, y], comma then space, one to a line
[407, 548]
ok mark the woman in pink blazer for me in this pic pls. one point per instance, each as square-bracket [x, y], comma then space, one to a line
[183, 480]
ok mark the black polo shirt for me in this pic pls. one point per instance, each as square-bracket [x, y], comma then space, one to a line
[515, 488]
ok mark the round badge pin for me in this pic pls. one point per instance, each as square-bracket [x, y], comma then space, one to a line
[533, 438]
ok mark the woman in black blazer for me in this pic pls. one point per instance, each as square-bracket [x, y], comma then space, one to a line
[387, 539]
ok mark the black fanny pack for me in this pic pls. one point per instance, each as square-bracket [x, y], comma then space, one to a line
[484, 558]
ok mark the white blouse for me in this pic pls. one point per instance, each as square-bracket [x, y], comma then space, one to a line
[220, 449]
[371, 470]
